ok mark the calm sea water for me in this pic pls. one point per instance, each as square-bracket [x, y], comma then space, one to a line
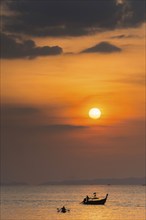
[41, 203]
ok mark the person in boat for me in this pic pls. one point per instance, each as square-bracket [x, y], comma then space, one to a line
[63, 209]
[87, 198]
[94, 195]
[84, 200]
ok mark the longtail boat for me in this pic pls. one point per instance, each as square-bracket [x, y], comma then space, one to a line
[94, 201]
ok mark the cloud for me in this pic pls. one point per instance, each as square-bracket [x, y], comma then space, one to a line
[61, 127]
[18, 116]
[138, 80]
[102, 47]
[19, 110]
[71, 18]
[11, 48]
[25, 117]
[132, 13]
[121, 36]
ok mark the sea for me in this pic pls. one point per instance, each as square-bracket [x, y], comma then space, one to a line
[125, 202]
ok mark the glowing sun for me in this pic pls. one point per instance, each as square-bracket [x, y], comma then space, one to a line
[94, 113]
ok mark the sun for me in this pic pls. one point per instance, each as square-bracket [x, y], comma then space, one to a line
[94, 113]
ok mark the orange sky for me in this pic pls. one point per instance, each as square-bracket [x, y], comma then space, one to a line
[46, 102]
[82, 80]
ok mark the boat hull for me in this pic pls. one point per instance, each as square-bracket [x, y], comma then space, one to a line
[95, 202]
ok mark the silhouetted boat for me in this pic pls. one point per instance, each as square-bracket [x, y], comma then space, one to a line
[63, 209]
[94, 201]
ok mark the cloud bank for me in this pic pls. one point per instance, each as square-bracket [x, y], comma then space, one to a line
[11, 49]
[71, 18]
[24, 117]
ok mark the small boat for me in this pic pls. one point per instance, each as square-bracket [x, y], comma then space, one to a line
[94, 201]
[63, 209]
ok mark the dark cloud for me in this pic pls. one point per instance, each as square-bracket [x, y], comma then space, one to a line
[70, 18]
[133, 12]
[11, 48]
[61, 127]
[24, 117]
[103, 47]
[18, 110]
[18, 116]
[121, 36]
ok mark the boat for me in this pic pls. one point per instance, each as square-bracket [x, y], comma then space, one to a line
[94, 201]
[63, 210]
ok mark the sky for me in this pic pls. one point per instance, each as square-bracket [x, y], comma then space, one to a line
[59, 59]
